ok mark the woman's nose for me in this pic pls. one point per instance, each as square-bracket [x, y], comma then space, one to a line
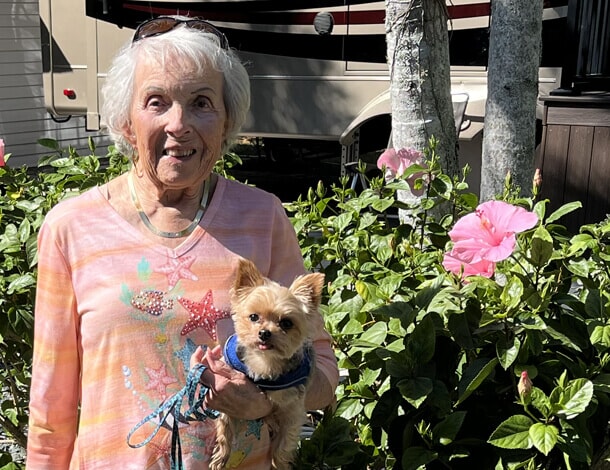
[178, 121]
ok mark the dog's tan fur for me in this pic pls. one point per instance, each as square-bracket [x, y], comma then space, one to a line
[272, 327]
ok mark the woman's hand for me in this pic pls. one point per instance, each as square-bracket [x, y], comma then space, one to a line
[230, 391]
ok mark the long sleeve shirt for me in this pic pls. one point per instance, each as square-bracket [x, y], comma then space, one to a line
[118, 316]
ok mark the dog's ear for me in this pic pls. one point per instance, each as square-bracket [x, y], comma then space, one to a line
[308, 288]
[247, 275]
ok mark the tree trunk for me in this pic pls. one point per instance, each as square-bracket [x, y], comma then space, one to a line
[512, 89]
[420, 84]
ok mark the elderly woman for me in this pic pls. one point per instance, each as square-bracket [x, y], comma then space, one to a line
[135, 274]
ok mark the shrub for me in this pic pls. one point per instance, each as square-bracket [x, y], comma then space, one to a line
[433, 358]
[25, 198]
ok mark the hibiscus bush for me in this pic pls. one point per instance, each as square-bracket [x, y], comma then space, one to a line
[475, 339]
[26, 195]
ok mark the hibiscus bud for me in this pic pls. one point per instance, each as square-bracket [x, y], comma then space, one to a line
[537, 178]
[2, 162]
[524, 387]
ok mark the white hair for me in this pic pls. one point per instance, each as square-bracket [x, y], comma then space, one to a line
[202, 49]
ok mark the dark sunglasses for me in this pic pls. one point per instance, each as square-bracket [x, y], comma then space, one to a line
[164, 24]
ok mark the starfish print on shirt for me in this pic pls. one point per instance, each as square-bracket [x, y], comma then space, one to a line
[203, 314]
[159, 380]
[177, 269]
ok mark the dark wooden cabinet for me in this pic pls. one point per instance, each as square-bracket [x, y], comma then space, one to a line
[574, 155]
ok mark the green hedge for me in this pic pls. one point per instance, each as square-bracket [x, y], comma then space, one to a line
[431, 361]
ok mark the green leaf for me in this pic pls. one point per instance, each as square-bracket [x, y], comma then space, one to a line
[594, 305]
[420, 344]
[474, 376]
[340, 453]
[602, 383]
[459, 328]
[376, 334]
[417, 457]
[580, 267]
[513, 433]
[49, 143]
[342, 221]
[563, 210]
[425, 296]
[25, 229]
[386, 408]
[512, 293]
[599, 335]
[541, 402]
[507, 352]
[27, 205]
[544, 437]
[21, 283]
[402, 310]
[381, 205]
[542, 247]
[369, 376]
[416, 390]
[380, 246]
[575, 442]
[352, 327]
[366, 290]
[575, 398]
[399, 365]
[445, 432]
[579, 243]
[349, 408]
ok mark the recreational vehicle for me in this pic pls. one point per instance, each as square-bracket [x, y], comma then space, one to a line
[318, 67]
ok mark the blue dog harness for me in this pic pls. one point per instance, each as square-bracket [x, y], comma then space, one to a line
[293, 378]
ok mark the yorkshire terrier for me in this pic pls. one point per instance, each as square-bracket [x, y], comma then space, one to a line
[272, 345]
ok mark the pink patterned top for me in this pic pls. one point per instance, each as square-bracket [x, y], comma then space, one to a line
[114, 329]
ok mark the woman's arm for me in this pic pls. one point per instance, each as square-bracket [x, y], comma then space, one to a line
[54, 391]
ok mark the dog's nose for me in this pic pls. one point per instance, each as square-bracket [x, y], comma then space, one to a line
[264, 335]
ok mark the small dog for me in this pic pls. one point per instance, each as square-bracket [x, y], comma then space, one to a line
[272, 346]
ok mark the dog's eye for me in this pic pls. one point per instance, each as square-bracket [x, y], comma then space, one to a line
[285, 324]
[254, 317]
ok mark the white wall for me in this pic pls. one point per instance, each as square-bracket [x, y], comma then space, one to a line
[23, 117]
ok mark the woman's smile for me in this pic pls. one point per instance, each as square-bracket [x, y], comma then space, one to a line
[178, 153]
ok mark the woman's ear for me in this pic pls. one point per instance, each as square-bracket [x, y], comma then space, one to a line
[129, 134]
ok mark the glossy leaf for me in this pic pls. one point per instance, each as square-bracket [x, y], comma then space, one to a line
[513, 433]
[544, 437]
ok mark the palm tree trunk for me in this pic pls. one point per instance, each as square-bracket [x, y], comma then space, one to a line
[512, 89]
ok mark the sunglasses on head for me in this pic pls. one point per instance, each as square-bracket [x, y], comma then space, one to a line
[164, 24]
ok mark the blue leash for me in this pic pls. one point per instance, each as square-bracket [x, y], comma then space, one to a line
[195, 393]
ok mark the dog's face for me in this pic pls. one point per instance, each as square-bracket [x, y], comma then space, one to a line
[272, 321]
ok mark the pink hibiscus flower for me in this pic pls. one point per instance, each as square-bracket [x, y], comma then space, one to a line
[486, 236]
[2, 162]
[489, 232]
[460, 268]
[395, 163]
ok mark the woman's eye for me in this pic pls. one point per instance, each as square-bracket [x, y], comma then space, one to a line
[285, 324]
[202, 102]
[154, 102]
[254, 317]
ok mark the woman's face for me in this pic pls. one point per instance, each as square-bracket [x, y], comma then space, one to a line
[178, 122]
